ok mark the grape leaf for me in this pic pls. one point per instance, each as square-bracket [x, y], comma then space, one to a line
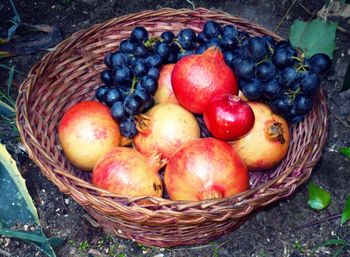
[345, 151]
[318, 197]
[317, 36]
[346, 212]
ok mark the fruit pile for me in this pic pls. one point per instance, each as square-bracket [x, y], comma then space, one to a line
[160, 92]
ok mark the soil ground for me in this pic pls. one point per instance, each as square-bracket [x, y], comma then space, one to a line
[272, 232]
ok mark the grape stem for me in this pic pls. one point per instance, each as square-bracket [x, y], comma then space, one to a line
[176, 42]
[132, 88]
[150, 42]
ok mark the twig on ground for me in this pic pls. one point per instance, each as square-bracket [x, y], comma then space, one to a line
[285, 15]
[343, 122]
[307, 225]
[191, 3]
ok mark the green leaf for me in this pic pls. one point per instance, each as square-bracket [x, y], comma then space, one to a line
[318, 197]
[16, 205]
[345, 151]
[6, 110]
[329, 242]
[318, 36]
[346, 212]
[36, 238]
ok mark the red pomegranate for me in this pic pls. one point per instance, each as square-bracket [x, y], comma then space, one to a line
[198, 78]
[205, 168]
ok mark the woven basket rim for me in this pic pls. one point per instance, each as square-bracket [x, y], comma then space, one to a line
[239, 200]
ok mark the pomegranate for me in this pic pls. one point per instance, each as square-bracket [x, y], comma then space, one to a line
[205, 168]
[86, 132]
[266, 144]
[228, 117]
[164, 93]
[198, 78]
[164, 128]
[124, 171]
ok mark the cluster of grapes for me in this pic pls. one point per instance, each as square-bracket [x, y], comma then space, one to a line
[266, 70]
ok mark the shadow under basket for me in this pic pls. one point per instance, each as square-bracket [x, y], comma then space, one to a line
[70, 74]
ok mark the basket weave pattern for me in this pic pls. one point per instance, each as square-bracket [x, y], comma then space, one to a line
[70, 74]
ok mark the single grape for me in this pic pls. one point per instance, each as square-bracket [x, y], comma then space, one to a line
[201, 38]
[113, 95]
[281, 105]
[162, 49]
[245, 69]
[142, 92]
[243, 52]
[270, 42]
[212, 29]
[107, 60]
[133, 104]
[282, 43]
[139, 68]
[187, 39]
[107, 77]
[257, 48]
[153, 73]
[230, 31]
[149, 84]
[320, 63]
[252, 89]
[118, 59]
[122, 74]
[303, 104]
[154, 60]
[127, 46]
[139, 34]
[128, 127]
[167, 37]
[265, 71]
[284, 57]
[201, 49]
[172, 58]
[272, 89]
[309, 83]
[293, 116]
[101, 92]
[229, 58]
[148, 105]
[288, 76]
[118, 112]
[228, 43]
[140, 51]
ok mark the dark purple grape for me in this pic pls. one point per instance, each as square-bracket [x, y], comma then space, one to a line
[139, 34]
[154, 60]
[107, 60]
[230, 31]
[245, 70]
[148, 105]
[167, 37]
[101, 92]
[149, 84]
[172, 58]
[133, 104]
[288, 76]
[142, 92]
[118, 112]
[252, 89]
[270, 42]
[213, 42]
[127, 46]
[139, 68]
[265, 71]
[107, 77]
[293, 116]
[186, 53]
[128, 127]
[272, 89]
[201, 49]
[212, 29]
[229, 58]
[140, 51]
[122, 74]
[201, 38]
[257, 48]
[303, 104]
[187, 39]
[153, 73]
[309, 83]
[229, 43]
[284, 57]
[281, 105]
[282, 43]
[320, 63]
[118, 59]
[162, 49]
[113, 95]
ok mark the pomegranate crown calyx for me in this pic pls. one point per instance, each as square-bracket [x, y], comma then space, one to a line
[214, 52]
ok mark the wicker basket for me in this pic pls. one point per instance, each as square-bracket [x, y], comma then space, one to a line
[71, 74]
